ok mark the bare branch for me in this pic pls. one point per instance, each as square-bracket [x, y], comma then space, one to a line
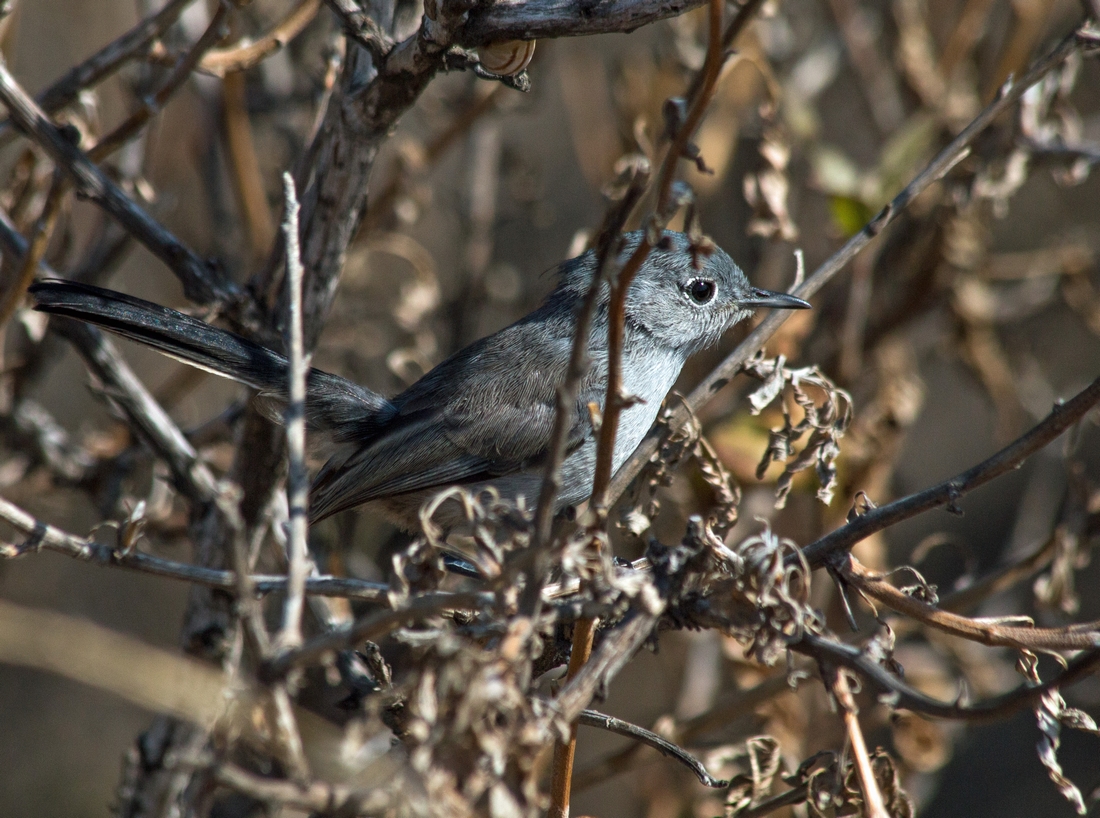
[900, 695]
[1061, 418]
[297, 480]
[872, 796]
[36, 249]
[593, 718]
[40, 535]
[202, 282]
[545, 19]
[145, 415]
[108, 59]
[374, 627]
[222, 61]
[152, 105]
[311, 796]
[1073, 637]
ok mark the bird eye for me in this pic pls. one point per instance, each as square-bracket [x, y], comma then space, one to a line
[700, 290]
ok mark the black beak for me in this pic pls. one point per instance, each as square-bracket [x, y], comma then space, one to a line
[779, 301]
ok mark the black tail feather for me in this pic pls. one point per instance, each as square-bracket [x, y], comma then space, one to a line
[333, 404]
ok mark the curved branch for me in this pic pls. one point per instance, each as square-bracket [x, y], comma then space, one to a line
[900, 695]
[1074, 637]
[593, 718]
[239, 57]
[1060, 418]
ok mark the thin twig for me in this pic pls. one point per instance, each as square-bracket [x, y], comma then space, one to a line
[1074, 637]
[1001, 578]
[536, 560]
[561, 779]
[145, 415]
[297, 479]
[310, 796]
[374, 627]
[152, 105]
[108, 59]
[36, 249]
[43, 536]
[1061, 418]
[382, 203]
[785, 799]
[902, 696]
[615, 650]
[593, 718]
[240, 57]
[615, 401]
[872, 796]
[245, 166]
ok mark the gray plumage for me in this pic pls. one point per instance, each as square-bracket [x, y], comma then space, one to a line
[483, 416]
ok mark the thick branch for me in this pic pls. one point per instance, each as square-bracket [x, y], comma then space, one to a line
[544, 19]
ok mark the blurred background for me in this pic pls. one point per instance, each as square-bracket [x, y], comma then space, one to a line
[954, 332]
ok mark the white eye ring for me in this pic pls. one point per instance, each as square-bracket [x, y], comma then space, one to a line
[700, 290]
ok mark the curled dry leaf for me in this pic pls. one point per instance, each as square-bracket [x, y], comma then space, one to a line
[756, 572]
[825, 422]
[766, 191]
[1052, 713]
[757, 762]
[491, 525]
[472, 731]
[679, 445]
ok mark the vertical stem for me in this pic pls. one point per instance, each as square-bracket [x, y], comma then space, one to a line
[562, 781]
[699, 95]
[872, 797]
[297, 481]
[43, 231]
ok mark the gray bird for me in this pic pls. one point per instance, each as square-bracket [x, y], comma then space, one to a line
[484, 416]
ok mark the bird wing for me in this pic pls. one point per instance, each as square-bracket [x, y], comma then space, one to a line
[485, 412]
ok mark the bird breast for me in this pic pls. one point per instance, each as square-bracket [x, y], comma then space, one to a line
[648, 377]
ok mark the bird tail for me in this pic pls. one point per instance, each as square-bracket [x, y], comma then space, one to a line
[333, 404]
